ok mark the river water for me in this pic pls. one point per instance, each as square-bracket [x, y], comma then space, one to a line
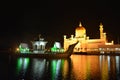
[77, 67]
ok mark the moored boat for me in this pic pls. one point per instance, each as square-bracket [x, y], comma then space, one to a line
[66, 54]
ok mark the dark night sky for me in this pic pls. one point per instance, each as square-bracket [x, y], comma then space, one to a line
[54, 19]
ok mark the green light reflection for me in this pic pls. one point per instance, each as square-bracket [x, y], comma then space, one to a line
[22, 65]
[56, 66]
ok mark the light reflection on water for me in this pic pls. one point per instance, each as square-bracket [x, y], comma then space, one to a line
[22, 66]
[86, 67]
[78, 67]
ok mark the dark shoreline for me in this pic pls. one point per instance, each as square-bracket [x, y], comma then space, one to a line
[75, 53]
[41, 55]
[97, 53]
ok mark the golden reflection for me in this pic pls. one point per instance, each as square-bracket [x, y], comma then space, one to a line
[65, 68]
[113, 68]
[104, 68]
[94, 70]
[85, 67]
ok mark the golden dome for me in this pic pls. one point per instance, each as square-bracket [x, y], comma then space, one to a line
[80, 31]
[80, 28]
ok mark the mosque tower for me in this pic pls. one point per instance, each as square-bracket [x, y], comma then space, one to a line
[102, 34]
[101, 31]
[80, 31]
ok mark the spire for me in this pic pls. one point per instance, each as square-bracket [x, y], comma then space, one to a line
[101, 24]
[39, 36]
[80, 24]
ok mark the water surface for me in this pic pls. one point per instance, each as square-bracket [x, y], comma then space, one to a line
[77, 67]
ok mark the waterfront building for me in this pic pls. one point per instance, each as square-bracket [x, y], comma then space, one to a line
[23, 48]
[39, 45]
[57, 48]
[90, 45]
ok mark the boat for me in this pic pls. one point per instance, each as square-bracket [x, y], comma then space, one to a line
[65, 54]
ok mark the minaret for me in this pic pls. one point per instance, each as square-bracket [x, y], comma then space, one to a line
[80, 24]
[101, 31]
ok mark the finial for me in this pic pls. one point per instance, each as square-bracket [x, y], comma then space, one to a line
[80, 24]
[39, 36]
[101, 24]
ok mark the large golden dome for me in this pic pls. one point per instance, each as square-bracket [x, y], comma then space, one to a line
[81, 28]
[80, 31]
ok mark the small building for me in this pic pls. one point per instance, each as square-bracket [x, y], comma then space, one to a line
[57, 48]
[23, 48]
[39, 46]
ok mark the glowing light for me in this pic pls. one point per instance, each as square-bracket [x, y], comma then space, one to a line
[23, 48]
[17, 50]
[57, 47]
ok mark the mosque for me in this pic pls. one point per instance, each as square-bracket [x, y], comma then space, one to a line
[90, 45]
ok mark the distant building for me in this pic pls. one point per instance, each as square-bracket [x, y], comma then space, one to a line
[57, 47]
[23, 48]
[90, 45]
[39, 46]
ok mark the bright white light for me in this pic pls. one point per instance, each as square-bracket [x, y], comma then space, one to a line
[42, 43]
[24, 45]
[57, 45]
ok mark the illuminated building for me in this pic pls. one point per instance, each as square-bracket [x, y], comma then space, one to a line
[23, 48]
[39, 46]
[90, 45]
[57, 47]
